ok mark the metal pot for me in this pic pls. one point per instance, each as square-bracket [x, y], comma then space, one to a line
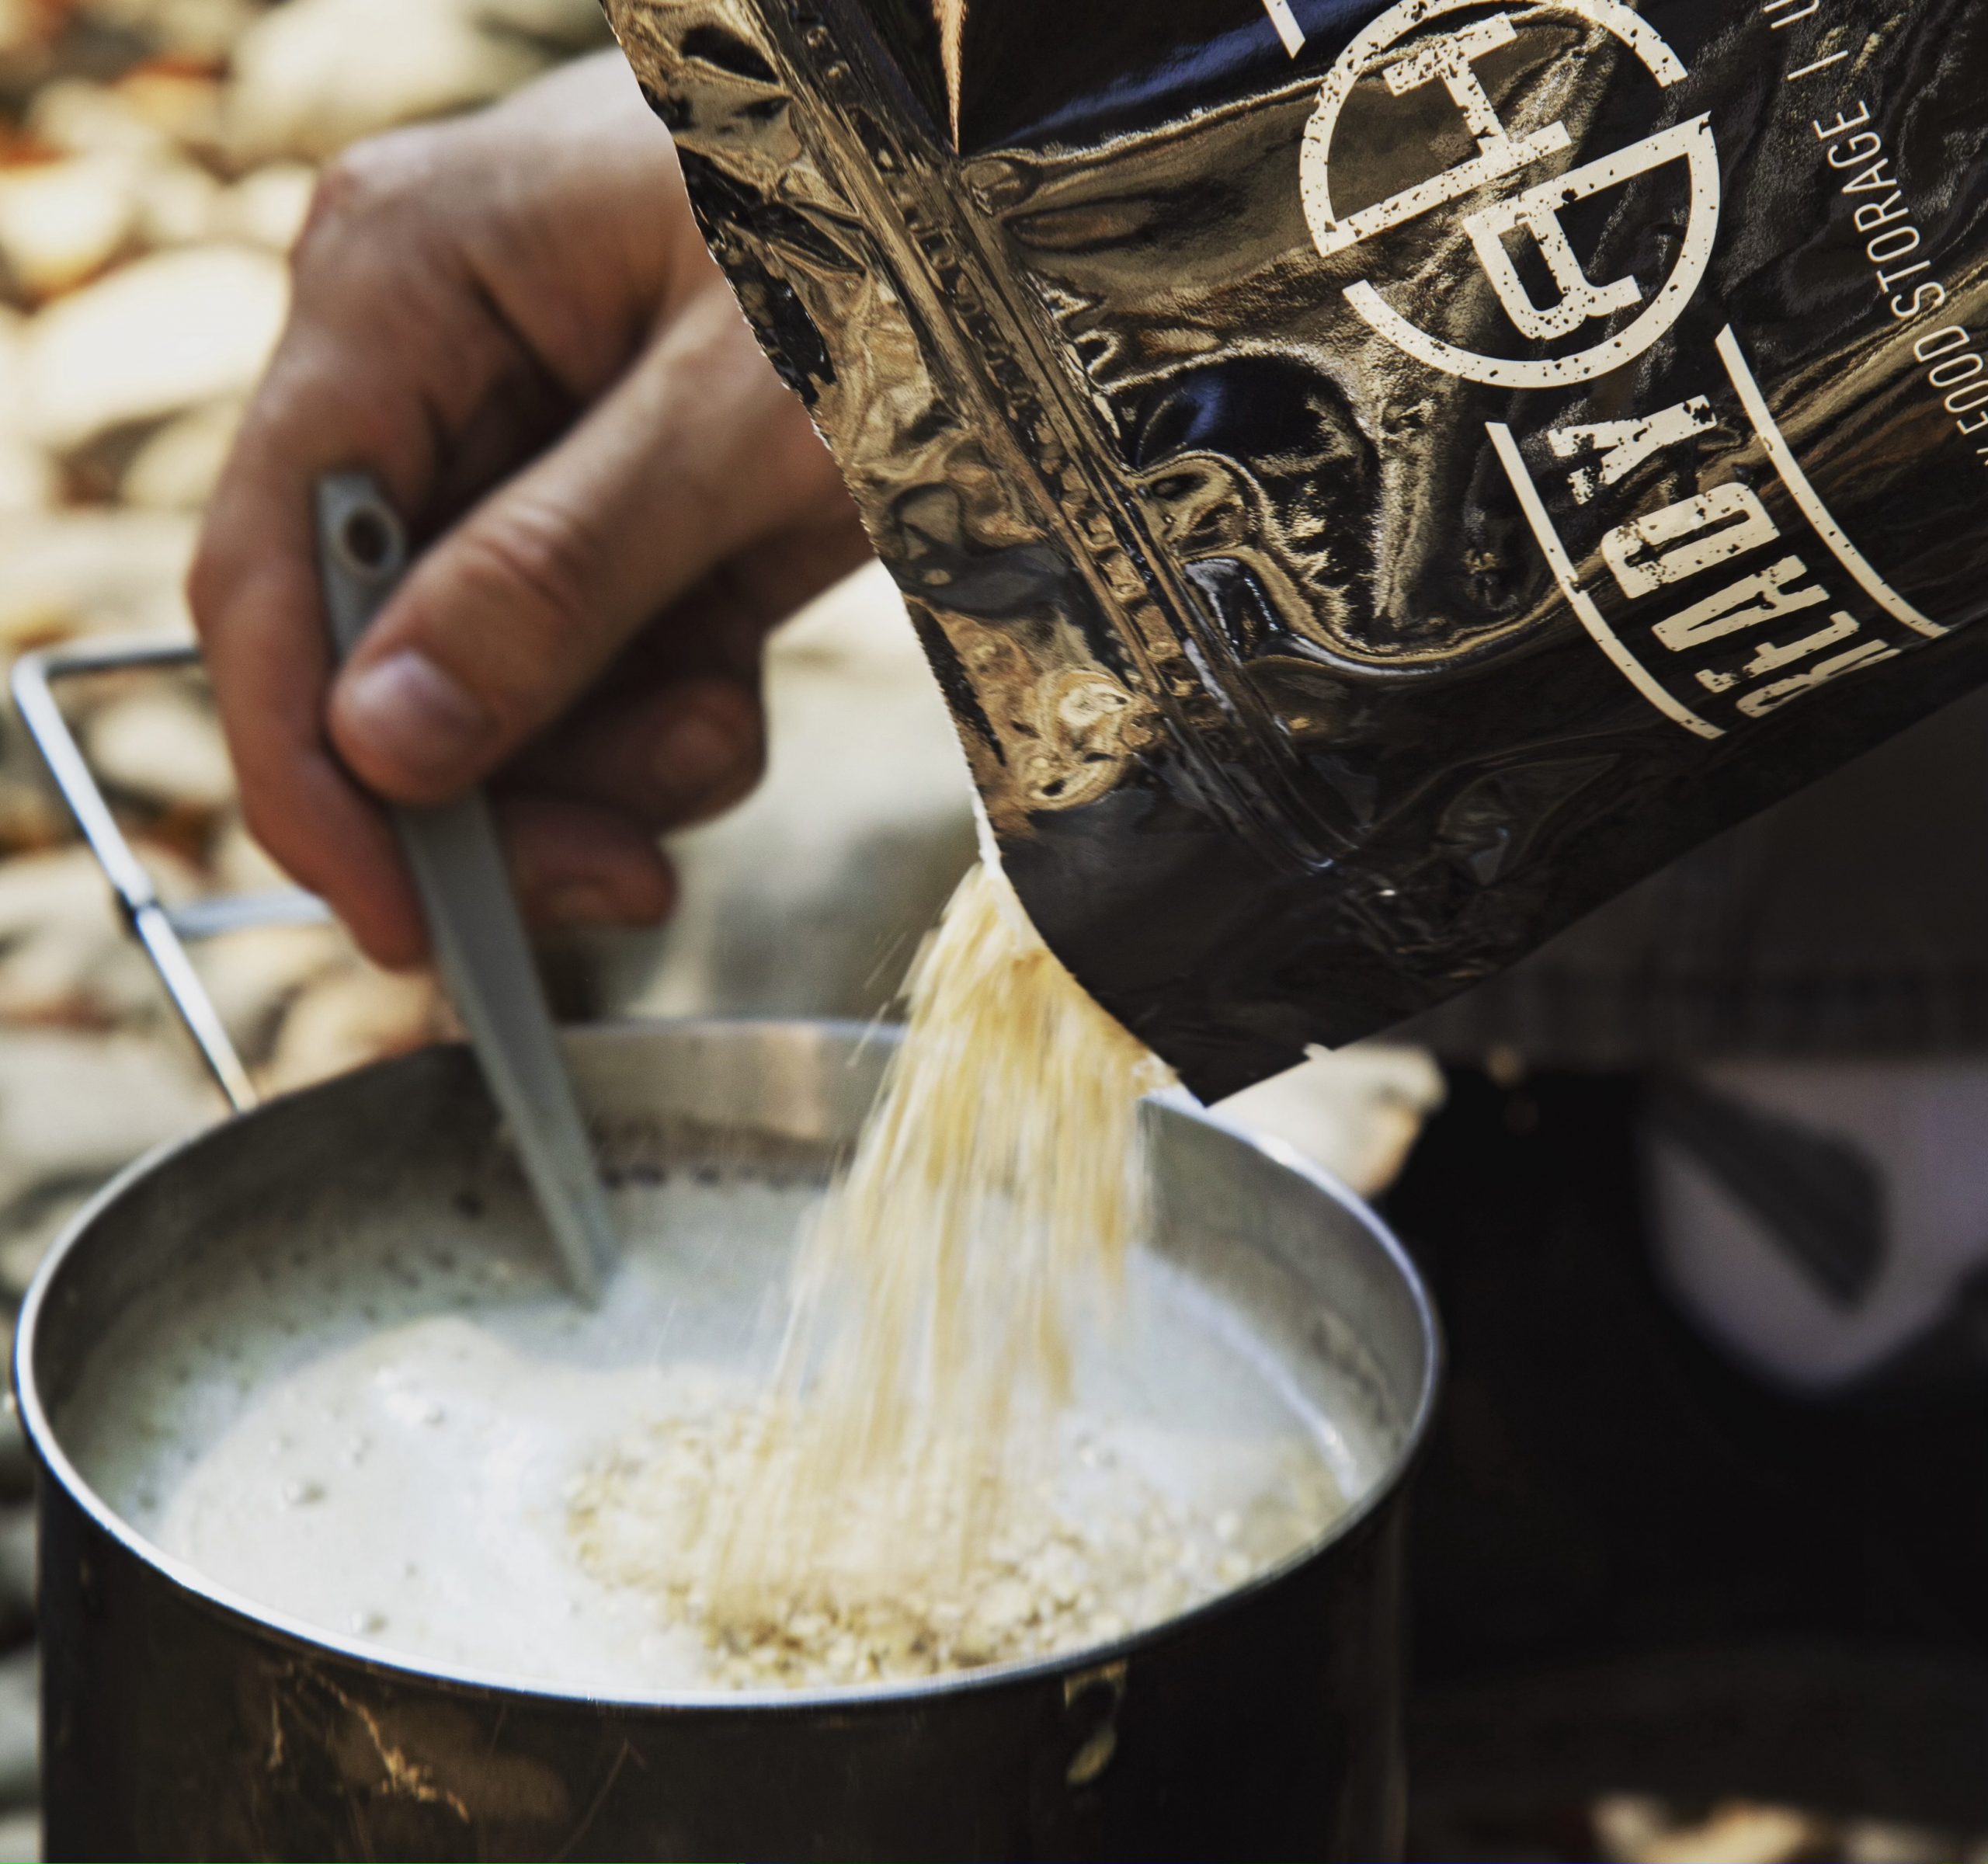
[183, 1721]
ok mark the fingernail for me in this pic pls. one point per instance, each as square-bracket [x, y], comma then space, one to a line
[412, 714]
[695, 754]
[581, 903]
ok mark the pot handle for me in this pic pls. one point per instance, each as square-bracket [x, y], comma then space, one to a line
[163, 931]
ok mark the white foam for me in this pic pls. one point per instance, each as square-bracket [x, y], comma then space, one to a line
[384, 1440]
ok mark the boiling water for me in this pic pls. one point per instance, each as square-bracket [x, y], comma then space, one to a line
[416, 1446]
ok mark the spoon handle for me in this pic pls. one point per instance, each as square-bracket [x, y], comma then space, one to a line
[480, 948]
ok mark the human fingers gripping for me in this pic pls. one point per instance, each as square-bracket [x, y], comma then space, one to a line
[416, 352]
[675, 731]
[577, 863]
[390, 356]
[297, 802]
[515, 613]
[254, 596]
[253, 591]
[670, 755]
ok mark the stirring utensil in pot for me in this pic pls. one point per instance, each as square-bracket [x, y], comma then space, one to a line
[472, 913]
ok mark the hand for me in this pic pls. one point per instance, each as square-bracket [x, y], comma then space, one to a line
[511, 321]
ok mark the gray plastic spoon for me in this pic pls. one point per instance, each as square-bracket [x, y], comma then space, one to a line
[479, 938]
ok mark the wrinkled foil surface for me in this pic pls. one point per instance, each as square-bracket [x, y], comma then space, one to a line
[1372, 482]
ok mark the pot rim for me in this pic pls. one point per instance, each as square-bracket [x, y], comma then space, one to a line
[41, 1435]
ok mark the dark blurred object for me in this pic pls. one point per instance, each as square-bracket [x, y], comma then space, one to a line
[1634, 1570]
[1836, 924]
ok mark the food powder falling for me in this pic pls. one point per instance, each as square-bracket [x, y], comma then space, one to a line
[982, 1221]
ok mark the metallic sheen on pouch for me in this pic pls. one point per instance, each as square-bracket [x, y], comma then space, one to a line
[1372, 482]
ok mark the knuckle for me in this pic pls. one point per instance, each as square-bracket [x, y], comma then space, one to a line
[376, 172]
[725, 790]
[370, 181]
[345, 191]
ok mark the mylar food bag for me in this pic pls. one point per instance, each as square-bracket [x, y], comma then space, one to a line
[1372, 482]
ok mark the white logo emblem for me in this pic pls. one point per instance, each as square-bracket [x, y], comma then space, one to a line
[1450, 58]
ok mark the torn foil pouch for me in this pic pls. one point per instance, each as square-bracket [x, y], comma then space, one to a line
[1372, 482]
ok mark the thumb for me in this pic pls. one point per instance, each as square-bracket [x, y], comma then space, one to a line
[519, 608]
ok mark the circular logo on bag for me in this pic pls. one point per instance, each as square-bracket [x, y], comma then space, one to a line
[1517, 232]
